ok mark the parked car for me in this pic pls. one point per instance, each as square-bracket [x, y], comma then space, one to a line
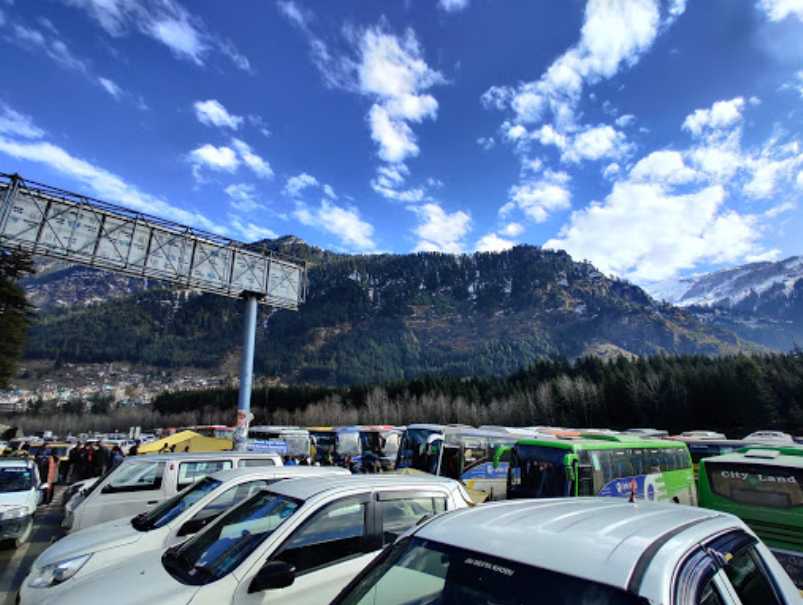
[20, 494]
[168, 524]
[576, 551]
[298, 541]
[776, 437]
[142, 482]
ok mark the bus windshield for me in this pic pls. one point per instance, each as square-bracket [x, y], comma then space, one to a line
[756, 484]
[415, 451]
[348, 443]
[538, 472]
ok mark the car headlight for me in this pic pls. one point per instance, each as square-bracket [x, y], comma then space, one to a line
[8, 513]
[56, 573]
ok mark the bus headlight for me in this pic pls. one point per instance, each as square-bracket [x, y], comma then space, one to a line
[56, 573]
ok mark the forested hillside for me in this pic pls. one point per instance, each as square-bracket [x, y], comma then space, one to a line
[381, 318]
[736, 394]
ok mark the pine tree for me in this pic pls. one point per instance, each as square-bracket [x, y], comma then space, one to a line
[15, 311]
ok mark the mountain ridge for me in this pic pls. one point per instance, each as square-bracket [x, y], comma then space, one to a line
[374, 318]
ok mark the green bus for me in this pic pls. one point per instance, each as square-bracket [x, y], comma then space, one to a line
[763, 486]
[600, 465]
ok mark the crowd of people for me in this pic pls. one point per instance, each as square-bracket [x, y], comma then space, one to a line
[83, 461]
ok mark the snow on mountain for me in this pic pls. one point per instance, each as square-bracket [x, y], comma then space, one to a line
[729, 286]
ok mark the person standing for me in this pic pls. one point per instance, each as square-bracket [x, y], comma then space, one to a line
[52, 475]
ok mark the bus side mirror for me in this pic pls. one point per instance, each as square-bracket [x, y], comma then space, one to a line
[499, 453]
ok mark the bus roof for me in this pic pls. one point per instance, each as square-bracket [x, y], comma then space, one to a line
[602, 442]
[762, 455]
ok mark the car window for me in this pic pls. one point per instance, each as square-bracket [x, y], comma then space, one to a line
[229, 498]
[190, 472]
[334, 533]
[400, 514]
[246, 462]
[16, 479]
[138, 476]
[749, 579]
[710, 595]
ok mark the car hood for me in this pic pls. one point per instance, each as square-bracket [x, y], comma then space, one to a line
[112, 534]
[16, 499]
[140, 580]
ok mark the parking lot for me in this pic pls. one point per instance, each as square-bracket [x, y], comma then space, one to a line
[14, 564]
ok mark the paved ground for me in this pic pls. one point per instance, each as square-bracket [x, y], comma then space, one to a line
[14, 564]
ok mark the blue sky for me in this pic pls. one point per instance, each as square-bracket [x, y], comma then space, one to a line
[654, 138]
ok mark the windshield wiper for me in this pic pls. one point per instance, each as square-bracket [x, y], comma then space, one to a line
[175, 561]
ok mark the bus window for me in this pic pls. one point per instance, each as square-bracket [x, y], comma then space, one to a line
[756, 485]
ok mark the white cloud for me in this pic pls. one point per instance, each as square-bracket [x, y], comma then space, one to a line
[14, 123]
[344, 223]
[329, 191]
[611, 170]
[212, 113]
[778, 10]
[538, 197]
[296, 184]
[596, 143]
[513, 229]
[665, 167]
[643, 233]
[393, 71]
[165, 21]
[615, 33]
[493, 243]
[799, 180]
[780, 209]
[547, 135]
[440, 231]
[487, 143]
[761, 257]
[721, 115]
[257, 164]
[296, 14]
[625, 120]
[109, 86]
[453, 6]
[718, 162]
[102, 183]
[249, 231]
[243, 197]
[50, 44]
[215, 158]
[395, 138]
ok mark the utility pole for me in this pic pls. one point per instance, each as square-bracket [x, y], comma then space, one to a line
[244, 415]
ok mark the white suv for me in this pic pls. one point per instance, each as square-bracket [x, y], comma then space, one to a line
[171, 522]
[20, 494]
[576, 551]
[298, 542]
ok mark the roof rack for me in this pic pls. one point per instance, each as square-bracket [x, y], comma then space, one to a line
[781, 450]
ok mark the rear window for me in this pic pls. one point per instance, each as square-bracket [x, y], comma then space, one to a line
[756, 484]
[420, 571]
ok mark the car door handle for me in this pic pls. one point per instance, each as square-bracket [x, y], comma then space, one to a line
[152, 502]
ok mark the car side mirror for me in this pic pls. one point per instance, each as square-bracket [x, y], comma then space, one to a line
[273, 575]
[193, 526]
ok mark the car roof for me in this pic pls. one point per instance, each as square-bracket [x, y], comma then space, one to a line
[609, 535]
[281, 471]
[431, 427]
[15, 462]
[180, 456]
[305, 488]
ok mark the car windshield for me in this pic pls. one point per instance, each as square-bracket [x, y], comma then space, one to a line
[172, 508]
[231, 539]
[15, 479]
[421, 572]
